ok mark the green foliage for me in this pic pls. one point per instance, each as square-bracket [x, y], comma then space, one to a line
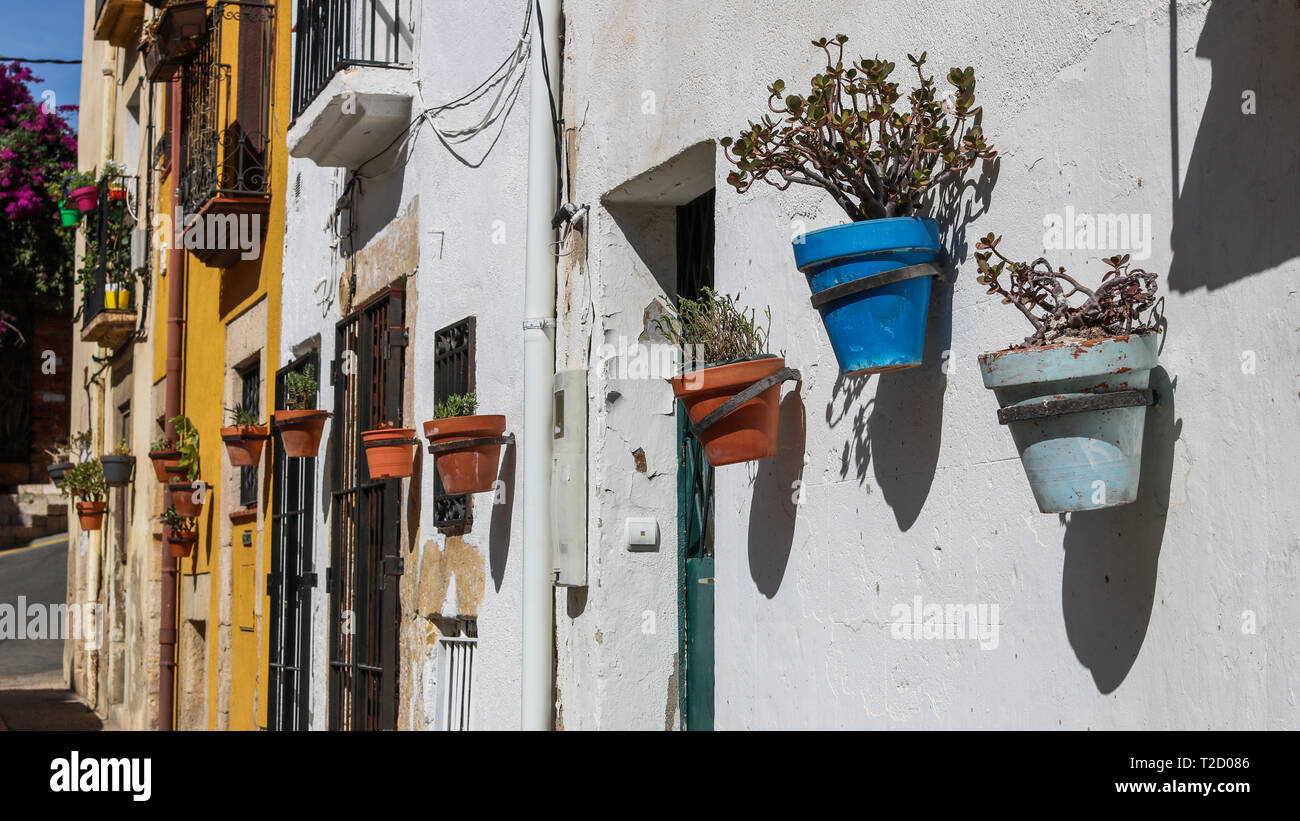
[187, 443]
[122, 449]
[300, 389]
[115, 250]
[241, 417]
[174, 521]
[850, 136]
[712, 329]
[1042, 294]
[85, 480]
[161, 444]
[458, 404]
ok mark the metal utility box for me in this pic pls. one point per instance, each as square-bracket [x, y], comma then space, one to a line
[569, 479]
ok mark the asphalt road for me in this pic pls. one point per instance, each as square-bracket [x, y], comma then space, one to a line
[39, 574]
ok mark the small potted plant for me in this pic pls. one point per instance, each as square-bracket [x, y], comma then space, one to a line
[83, 192]
[180, 532]
[85, 483]
[118, 465]
[1075, 393]
[188, 495]
[164, 455]
[61, 459]
[244, 437]
[472, 468]
[390, 451]
[881, 160]
[725, 354]
[301, 425]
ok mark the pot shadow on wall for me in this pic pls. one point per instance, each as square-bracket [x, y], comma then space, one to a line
[773, 507]
[502, 513]
[901, 427]
[1235, 214]
[1111, 555]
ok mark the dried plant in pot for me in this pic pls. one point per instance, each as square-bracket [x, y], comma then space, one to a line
[186, 490]
[244, 437]
[390, 451]
[181, 533]
[1076, 391]
[466, 446]
[881, 157]
[85, 483]
[118, 465]
[60, 459]
[300, 425]
[730, 382]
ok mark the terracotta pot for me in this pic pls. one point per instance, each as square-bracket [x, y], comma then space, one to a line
[389, 461]
[91, 514]
[163, 459]
[182, 497]
[181, 542]
[117, 194]
[244, 444]
[748, 432]
[300, 431]
[472, 469]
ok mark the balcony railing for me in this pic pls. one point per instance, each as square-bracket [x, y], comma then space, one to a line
[336, 34]
[225, 121]
[108, 249]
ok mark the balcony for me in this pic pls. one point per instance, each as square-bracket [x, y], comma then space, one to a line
[119, 21]
[351, 80]
[224, 180]
[108, 306]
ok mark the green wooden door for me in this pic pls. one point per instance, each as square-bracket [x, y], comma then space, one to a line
[695, 561]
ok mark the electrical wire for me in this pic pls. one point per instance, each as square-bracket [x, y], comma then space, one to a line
[25, 60]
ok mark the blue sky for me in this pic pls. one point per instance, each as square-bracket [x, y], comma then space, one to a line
[49, 29]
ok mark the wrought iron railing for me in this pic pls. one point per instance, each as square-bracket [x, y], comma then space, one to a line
[335, 34]
[111, 282]
[225, 131]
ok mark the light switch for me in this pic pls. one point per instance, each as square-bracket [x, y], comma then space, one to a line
[642, 534]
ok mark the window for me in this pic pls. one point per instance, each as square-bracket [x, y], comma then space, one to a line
[250, 391]
[455, 683]
[453, 373]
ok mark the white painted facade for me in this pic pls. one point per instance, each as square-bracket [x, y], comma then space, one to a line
[1177, 611]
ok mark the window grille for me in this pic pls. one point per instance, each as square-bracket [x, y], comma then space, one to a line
[453, 373]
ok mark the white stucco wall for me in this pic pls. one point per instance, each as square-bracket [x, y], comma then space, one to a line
[1122, 618]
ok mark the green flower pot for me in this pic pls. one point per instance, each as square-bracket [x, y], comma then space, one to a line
[69, 216]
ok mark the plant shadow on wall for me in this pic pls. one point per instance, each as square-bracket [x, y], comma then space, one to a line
[1234, 215]
[1112, 555]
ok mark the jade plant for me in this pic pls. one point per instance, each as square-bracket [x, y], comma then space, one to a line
[187, 444]
[85, 480]
[300, 388]
[1122, 304]
[458, 404]
[853, 134]
[162, 444]
[712, 329]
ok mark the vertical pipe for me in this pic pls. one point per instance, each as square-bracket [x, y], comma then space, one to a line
[172, 404]
[539, 374]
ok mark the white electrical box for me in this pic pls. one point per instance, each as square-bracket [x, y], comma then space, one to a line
[642, 534]
[569, 478]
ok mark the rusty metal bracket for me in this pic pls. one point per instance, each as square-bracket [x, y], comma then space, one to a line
[924, 269]
[461, 444]
[783, 375]
[1075, 403]
[251, 437]
[379, 443]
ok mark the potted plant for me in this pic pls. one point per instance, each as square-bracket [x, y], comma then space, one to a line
[471, 468]
[1075, 393]
[85, 482]
[118, 465]
[188, 495]
[300, 424]
[61, 457]
[390, 452]
[244, 437]
[164, 455]
[82, 192]
[730, 383]
[881, 162]
[180, 532]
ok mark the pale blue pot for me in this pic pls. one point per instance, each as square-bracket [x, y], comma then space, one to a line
[1084, 460]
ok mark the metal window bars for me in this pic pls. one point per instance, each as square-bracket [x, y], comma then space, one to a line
[106, 274]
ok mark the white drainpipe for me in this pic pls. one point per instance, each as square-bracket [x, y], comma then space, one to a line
[539, 374]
